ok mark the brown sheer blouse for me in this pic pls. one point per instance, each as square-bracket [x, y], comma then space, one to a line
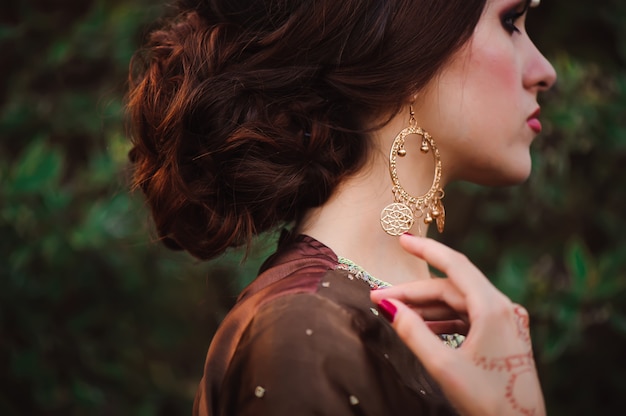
[305, 339]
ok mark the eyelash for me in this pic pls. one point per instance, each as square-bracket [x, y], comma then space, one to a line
[509, 19]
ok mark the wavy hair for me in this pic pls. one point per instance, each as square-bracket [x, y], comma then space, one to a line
[246, 113]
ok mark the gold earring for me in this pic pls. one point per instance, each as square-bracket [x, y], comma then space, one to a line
[398, 217]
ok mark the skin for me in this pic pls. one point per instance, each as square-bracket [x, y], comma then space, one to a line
[479, 106]
[481, 110]
[497, 350]
[477, 110]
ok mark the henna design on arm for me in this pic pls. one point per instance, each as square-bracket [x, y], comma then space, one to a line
[522, 321]
[511, 396]
[518, 365]
[507, 363]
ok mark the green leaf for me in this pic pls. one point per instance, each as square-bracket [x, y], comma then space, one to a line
[581, 268]
[512, 276]
[38, 169]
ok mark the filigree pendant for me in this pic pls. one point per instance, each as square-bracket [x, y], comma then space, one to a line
[396, 219]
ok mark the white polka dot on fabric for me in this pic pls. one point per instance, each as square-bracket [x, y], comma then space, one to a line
[309, 332]
[259, 392]
[353, 400]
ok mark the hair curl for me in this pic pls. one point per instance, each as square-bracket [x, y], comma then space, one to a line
[246, 113]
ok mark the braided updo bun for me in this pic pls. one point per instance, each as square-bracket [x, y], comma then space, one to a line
[245, 114]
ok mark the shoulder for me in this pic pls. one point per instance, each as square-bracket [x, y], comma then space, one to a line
[326, 351]
[301, 353]
[335, 305]
[333, 302]
[312, 343]
[338, 306]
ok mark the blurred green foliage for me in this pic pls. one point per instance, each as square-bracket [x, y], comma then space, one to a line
[95, 318]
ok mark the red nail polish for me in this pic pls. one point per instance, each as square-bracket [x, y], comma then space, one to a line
[387, 309]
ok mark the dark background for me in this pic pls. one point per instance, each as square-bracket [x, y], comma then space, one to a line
[96, 318]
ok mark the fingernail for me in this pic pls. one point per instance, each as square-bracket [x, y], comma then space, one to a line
[387, 309]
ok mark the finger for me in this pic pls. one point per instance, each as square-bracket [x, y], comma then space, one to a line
[454, 264]
[455, 326]
[424, 293]
[414, 332]
[438, 311]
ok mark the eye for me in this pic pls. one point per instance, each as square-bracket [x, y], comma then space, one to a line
[510, 18]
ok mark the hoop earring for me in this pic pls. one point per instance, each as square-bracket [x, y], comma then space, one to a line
[398, 217]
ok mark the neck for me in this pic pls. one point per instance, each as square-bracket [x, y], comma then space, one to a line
[349, 223]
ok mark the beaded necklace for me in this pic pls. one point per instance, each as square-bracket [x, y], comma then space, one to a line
[360, 273]
[451, 340]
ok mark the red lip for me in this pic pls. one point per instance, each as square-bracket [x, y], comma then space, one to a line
[536, 114]
[533, 121]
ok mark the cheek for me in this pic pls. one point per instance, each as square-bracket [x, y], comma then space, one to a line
[505, 78]
[475, 102]
[493, 54]
[482, 87]
[497, 71]
[495, 89]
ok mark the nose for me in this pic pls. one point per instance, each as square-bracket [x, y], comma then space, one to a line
[539, 74]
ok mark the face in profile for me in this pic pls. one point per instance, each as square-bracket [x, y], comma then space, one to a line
[483, 107]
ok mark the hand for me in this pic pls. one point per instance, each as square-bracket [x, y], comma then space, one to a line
[493, 372]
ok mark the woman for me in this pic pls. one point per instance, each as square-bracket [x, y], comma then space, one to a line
[317, 115]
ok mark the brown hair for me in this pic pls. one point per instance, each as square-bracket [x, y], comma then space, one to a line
[246, 113]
